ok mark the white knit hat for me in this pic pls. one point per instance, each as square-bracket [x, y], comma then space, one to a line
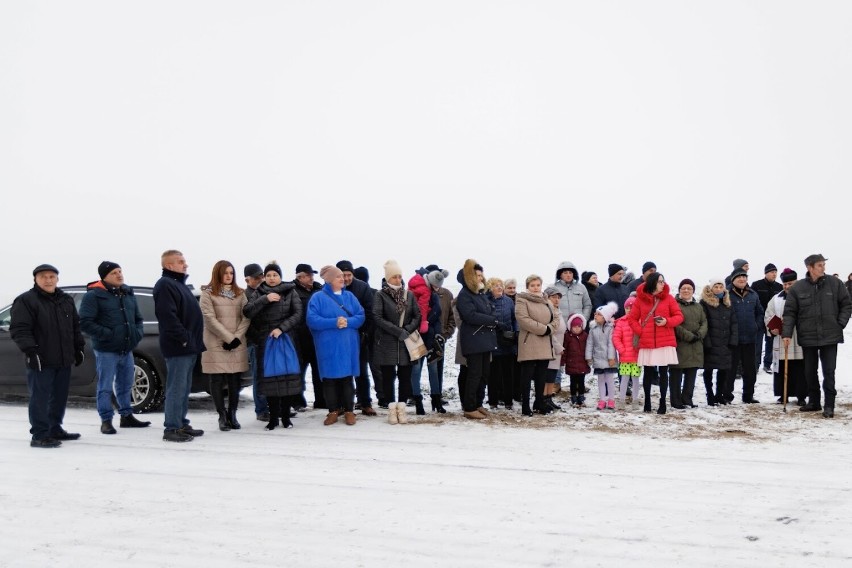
[608, 311]
[392, 269]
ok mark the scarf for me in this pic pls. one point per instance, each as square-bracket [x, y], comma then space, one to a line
[226, 292]
[397, 295]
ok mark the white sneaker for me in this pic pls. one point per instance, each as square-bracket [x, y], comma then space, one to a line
[400, 411]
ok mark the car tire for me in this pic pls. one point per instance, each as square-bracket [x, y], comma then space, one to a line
[146, 394]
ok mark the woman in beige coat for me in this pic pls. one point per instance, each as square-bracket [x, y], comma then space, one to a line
[537, 320]
[225, 326]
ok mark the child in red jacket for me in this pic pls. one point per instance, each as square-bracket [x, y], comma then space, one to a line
[574, 358]
[628, 369]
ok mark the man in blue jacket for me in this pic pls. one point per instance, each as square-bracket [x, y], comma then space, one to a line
[181, 327]
[749, 312]
[110, 315]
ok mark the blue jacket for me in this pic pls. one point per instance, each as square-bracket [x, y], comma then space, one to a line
[338, 350]
[749, 314]
[504, 311]
[111, 317]
[478, 322]
[179, 317]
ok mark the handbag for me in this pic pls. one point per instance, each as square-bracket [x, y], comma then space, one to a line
[414, 343]
[644, 321]
[279, 357]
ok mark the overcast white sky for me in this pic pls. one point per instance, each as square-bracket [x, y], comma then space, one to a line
[518, 133]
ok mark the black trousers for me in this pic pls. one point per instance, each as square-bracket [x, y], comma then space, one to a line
[682, 383]
[826, 356]
[578, 385]
[339, 393]
[391, 373]
[478, 369]
[535, 371]
[721, 383]
[500, 380]
[310, 359]
[744, 355]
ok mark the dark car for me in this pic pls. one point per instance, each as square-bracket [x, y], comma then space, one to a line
[148, 389]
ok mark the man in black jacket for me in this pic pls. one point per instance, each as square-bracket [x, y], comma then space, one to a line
[46, 328]
[181, 326]
[818, 307]
[305, 288]
[766, 289]
[110, 315]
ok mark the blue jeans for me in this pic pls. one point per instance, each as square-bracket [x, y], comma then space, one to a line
[48, 390]
[178, 386]
[260, 404]
[117, 369]
[434, 377]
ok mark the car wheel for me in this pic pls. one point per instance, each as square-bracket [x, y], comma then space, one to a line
[147, 393]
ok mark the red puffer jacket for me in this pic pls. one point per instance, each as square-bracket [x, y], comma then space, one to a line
[422, 292]
[652, 335]
[622, 338]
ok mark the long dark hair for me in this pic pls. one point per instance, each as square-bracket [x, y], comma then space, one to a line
[651, 282]
[218, 275]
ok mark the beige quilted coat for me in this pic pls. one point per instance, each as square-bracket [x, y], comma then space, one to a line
[223, 321]
[534, 314]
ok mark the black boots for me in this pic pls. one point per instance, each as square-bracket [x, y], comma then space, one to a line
[811, 406]
[107, 427]
[418, 404]
[130, 421]
[233, 400]
[217, 391]
[436, 404]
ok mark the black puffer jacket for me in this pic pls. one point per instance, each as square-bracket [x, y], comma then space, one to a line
[48, 323]
[818, 310]
[303, 336]
[721, 330]
[388, 346]
[285, 314]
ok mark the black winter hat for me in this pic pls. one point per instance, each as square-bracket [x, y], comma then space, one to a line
[770, 268]
[45, 268]
[586, 276]
[613, 268]
[647, 266]
[346, 266]
[306, 268]
[788, 275]
[106, 267]
[362, 274]
[272, 266]
[253, 269]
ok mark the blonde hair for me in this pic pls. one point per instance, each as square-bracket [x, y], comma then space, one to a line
[492, 282]
[532, 277]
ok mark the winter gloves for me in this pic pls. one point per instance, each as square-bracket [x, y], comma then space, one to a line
[232, 345]
[33, 361]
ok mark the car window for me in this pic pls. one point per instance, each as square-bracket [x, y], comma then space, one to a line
[146, 306]
[6, 317]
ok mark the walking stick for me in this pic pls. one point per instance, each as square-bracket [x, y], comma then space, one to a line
[785, 377]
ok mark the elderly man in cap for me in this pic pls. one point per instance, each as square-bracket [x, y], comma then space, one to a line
[253, 274]
[46, 328]
[818, 308]
[110, 315]
[305, 288]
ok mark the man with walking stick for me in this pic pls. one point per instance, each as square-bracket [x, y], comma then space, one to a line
[818, 309]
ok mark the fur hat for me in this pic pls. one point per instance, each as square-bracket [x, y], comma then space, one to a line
[362, 274]
[343, 265]
[648, 266]
[686, 281]
[45, 268]
[106, 267]
[329, 272]
[607, 311]
[436, 277]
[613, 268]
[788, 275]
[392, 269]
[253, 269]
[273, 265]
[770, 268]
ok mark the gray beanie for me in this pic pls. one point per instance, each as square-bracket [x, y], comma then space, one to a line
[436, 277]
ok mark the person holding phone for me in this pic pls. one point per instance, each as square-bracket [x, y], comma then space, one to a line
[653, 318]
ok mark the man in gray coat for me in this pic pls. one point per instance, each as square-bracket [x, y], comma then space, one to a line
[818, 307]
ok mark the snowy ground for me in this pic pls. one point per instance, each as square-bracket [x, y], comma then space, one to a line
[744, 485]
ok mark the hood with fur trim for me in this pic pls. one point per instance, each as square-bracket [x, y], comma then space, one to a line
[467, 276]
[709, 298]
[565, 265]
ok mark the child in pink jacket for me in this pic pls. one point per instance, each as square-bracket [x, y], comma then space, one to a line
[628, 369]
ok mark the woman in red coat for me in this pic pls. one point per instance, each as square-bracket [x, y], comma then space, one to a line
[653, 318]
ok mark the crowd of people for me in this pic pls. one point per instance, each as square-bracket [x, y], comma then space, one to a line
[512, 346]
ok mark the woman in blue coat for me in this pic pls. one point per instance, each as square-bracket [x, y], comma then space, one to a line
[334, 317]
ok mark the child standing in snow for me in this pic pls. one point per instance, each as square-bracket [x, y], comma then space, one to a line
[601, 355]
[574, 358]
[628, 369]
